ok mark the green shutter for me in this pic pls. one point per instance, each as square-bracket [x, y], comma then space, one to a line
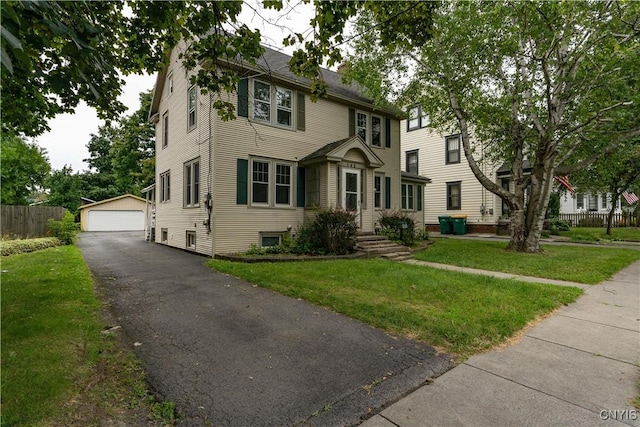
[243, 97]
[387, 192]
[387, 132]
[352, 122]
[419, 197]
[242, 176]
[300, 187]
[300, 122]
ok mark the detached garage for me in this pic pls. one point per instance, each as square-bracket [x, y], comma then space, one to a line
[122, 213]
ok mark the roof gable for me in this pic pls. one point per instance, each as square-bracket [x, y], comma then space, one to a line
[112, 200]
[335, 152]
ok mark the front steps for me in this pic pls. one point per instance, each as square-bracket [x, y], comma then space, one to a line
[374, 245]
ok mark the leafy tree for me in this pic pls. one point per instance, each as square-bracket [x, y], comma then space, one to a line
[65, 189]
[56, 53]
[551, 83]
[614, 174]
[24, 169]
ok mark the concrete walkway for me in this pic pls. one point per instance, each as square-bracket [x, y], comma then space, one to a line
[576, 368]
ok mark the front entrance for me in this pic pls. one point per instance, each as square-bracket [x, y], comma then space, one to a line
[350, 191]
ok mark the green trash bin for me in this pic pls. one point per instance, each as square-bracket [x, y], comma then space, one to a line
[445, 224]
[459, 224]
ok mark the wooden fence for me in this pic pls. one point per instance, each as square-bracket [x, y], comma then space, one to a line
[22, 222]
[595, 219]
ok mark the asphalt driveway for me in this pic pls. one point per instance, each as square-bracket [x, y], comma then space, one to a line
[229, 353]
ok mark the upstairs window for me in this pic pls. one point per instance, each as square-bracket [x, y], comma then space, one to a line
[361, 125]
[376, 131]
[165, 130]
[272, 104]
[452, 144]
[192, 117]
[170, 84]
[412, 161]
[417, 118]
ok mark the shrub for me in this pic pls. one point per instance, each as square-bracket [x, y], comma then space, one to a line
[398, 227]
[332, 232]
[558, 224]
[65, 229]
[12, 247]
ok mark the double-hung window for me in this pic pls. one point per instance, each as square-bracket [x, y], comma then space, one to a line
[192, 117]
[376, 131]
[165, 186]
[377, 191]
[407, 197]
[412, 161]
[170, 84]
[272, 104]
[271, 183]
[260, 182]
[452, 146]
[312, 186]
[417, 118]
[453, 195]
[361, 125]
[284, 106]
[192, 183]
[593, 202]
[579, 201]
[165, 130]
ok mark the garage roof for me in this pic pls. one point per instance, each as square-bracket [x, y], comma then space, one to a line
[111, 200]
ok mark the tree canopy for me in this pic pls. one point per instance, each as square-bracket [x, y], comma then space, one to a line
[24, 170]
[551, 83]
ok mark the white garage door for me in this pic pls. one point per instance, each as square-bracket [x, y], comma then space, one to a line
[116, 221]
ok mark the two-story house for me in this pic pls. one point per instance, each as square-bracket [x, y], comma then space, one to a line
[453, 190]
[224, 185]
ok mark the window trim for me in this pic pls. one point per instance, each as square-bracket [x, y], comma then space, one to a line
[450, 205]
[273, 105]
[272, 167]
[408, 199]
[271, 234]
[188, 234]
[165, 130]
[380, 192]
[406, 161]
[192, 110]
[165, 184]
[447, 151]
[423, 119]
[382, 141]
[191, 190]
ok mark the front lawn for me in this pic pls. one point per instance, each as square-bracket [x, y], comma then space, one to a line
[460, 313]
[57, 366]
[583, 264]
[592, 234]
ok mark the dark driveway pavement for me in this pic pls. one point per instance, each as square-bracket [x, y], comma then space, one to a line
[228, 353]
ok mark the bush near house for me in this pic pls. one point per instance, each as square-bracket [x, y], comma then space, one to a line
[398, 227]
[12, 247]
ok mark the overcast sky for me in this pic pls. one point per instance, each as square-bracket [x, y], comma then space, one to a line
[66, 143]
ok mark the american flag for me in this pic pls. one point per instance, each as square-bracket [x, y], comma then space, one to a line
[564, 181]
[631, 198]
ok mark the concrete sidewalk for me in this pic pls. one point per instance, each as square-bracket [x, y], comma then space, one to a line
[576, 368]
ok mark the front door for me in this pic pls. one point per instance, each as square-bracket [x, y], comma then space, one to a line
[350, 193]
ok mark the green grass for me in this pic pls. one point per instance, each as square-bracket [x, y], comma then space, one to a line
[583, 264]
[57, 366]
[460, 313]
[592, 234]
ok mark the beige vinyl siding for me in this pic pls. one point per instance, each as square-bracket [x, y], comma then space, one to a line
[183, 146]
[431, 163]
[235, 227]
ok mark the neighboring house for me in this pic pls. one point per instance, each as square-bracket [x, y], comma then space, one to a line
[222, 186]
[122, 213]
[453, 190]
[587, 202]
